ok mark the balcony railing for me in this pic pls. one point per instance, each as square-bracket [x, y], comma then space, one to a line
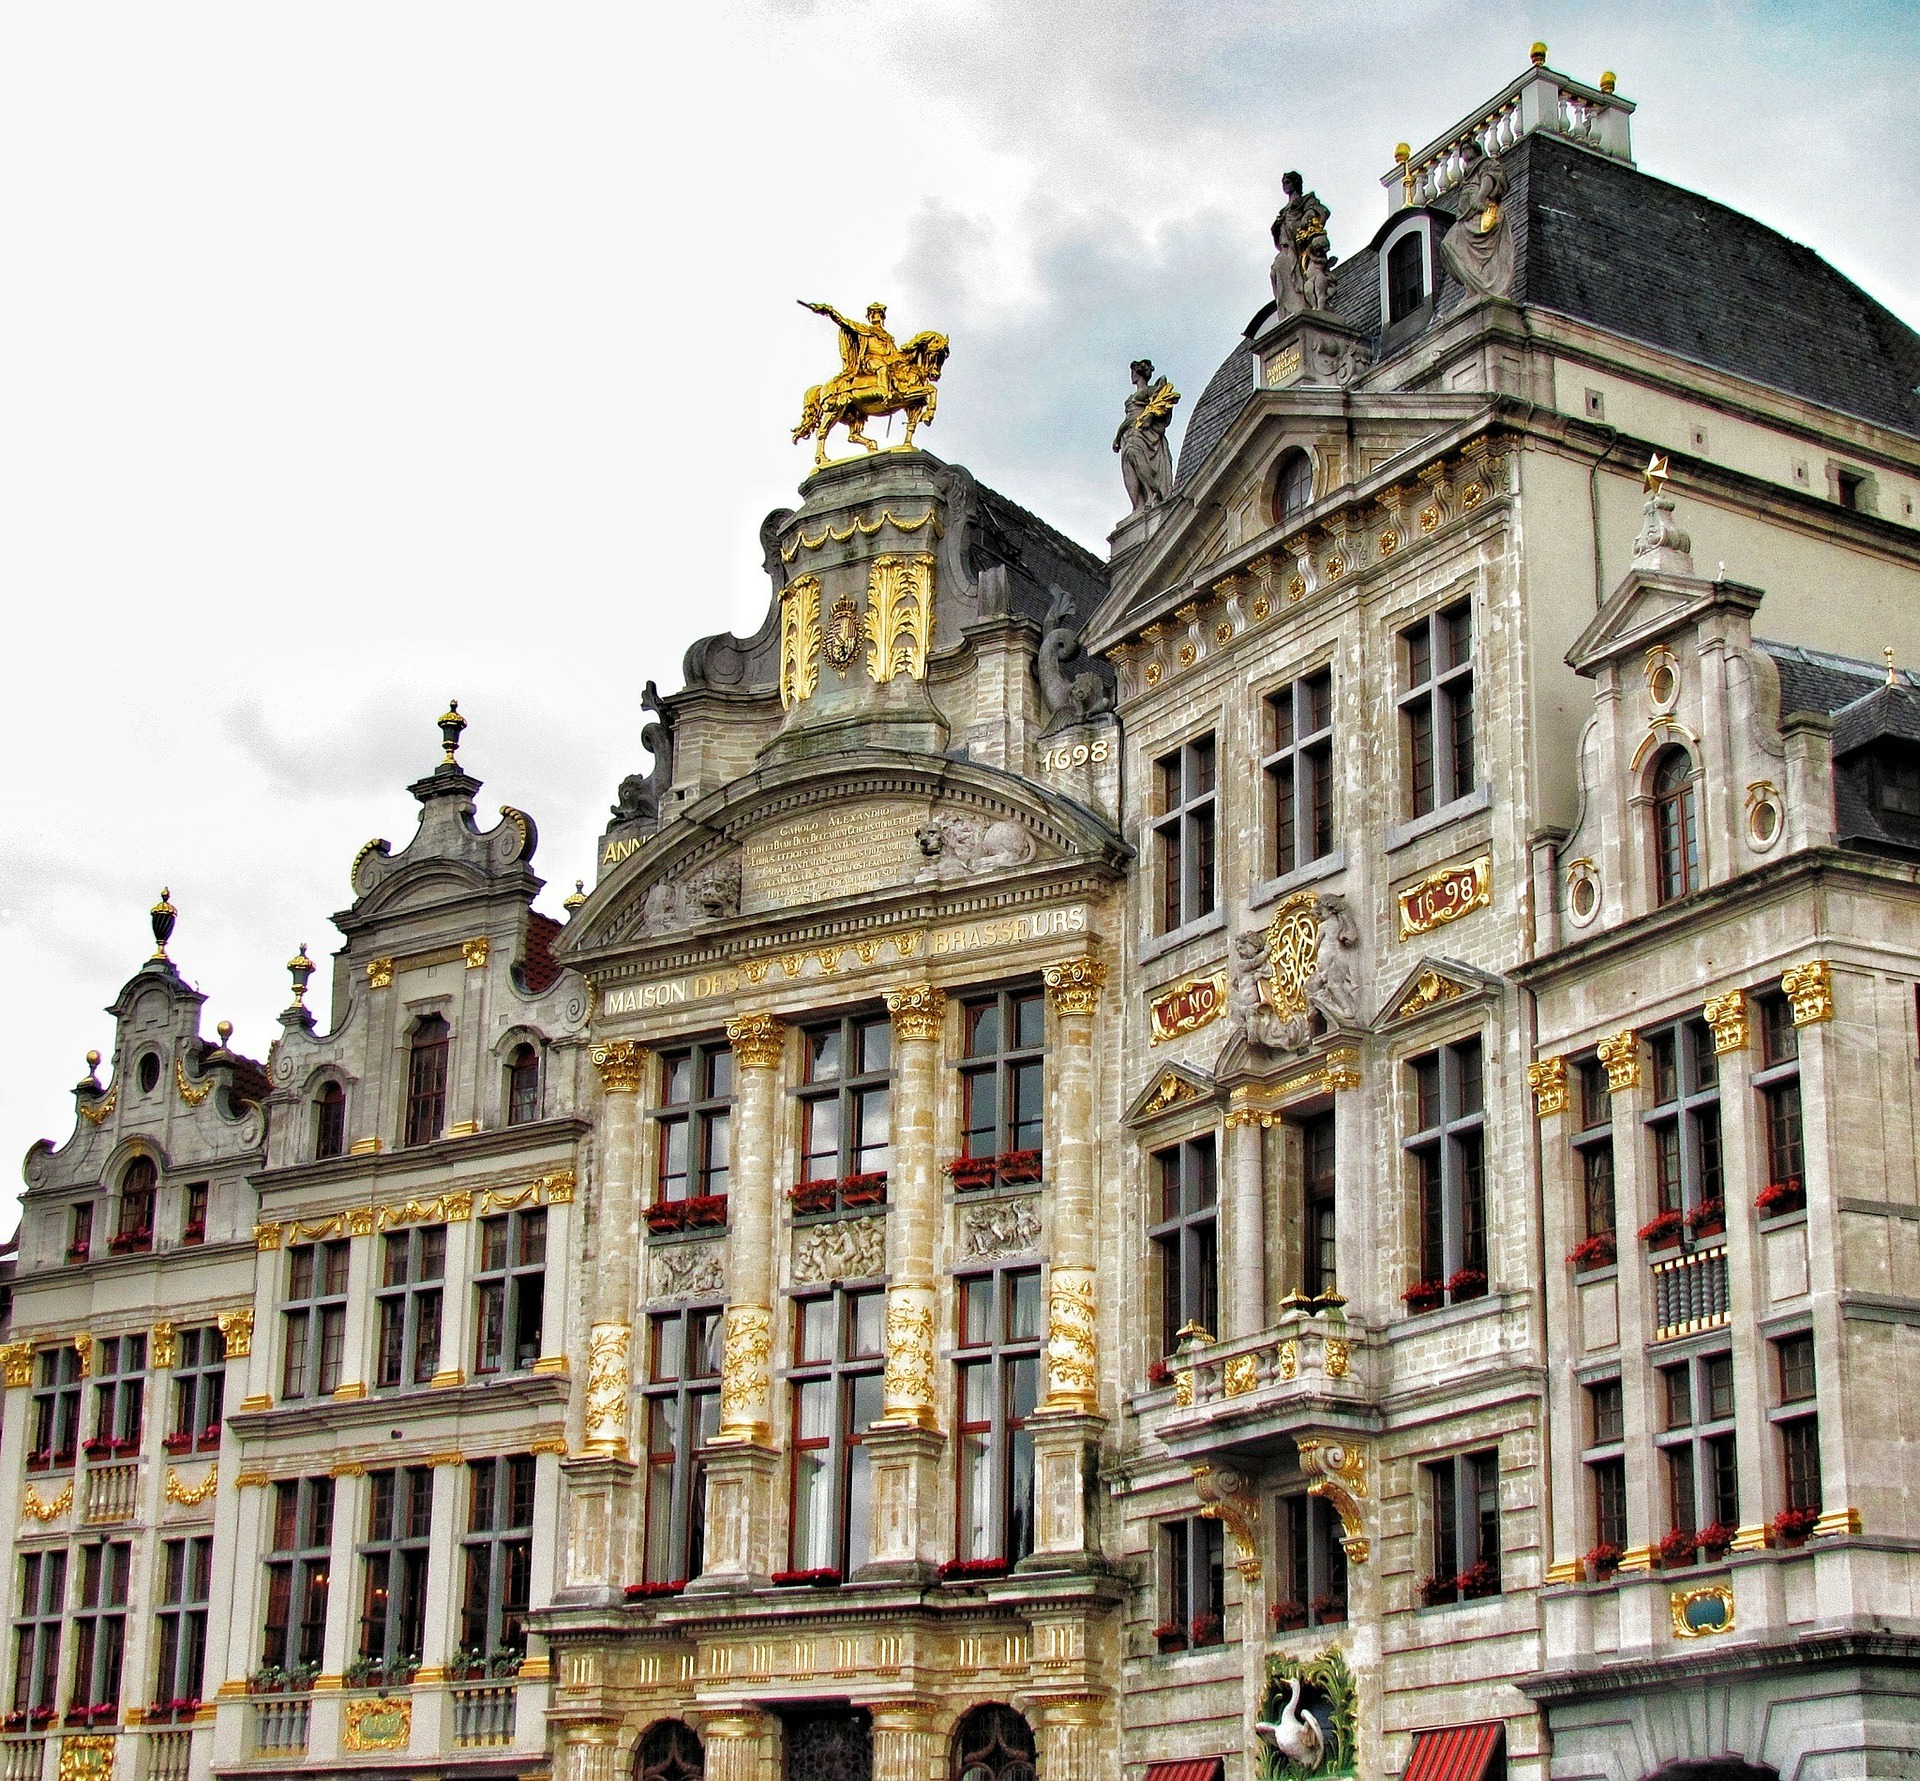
[112, 1491]
[1690, 1293]
[164, 1755]
[483, 1715]
[22, 1759]
[280, 1725]
[1305, 1360]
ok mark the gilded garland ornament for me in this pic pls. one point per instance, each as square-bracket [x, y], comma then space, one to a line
[877, 377]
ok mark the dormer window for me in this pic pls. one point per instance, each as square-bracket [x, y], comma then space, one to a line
[1292, 487]
[1899, 777]
[1406, 276]
[523, 1086]
[1676, 828]
[147, 1072]
[330, 1121]
[427, 1080]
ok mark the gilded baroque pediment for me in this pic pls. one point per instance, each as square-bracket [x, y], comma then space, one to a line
[1174, 1087]
[1435, 984]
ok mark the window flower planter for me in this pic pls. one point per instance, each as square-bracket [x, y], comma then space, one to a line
[100, 1447]
[1329, 1610]
[1792, 1526]
[821, 1577]
[653, 1592]
[127, 1242]
[813, 1196]
[1159, 1373]
[1437, 1592]
[78, 1252]
[1170, 1636]
[180, 1443]
[1595, 1252]
[1468, 1283]
[210, 1435]
[14, 1722]
[667, 1215]
[39, 1716]
[1480, 1581]
[126, 1449]
[1676, 1549]
[971, 1173]
[1428, 1295]
[1206, 1630]
[40, 1460]
[864, 1190]
[194, 1233]
[1713, 1540]
[706, 1212]
[1602, 1561]
[1780, 1198]
[1708, 1219]
[1662, 1232]
[968, 1570]
[1288, 1617]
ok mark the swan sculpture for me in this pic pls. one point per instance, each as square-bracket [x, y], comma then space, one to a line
[1296, 1735]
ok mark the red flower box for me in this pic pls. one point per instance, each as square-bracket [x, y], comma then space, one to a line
[1159, 1373]
[1329, 1610]
[1018, 1167]
[706, 1211]
[78, 1252]
[1437, 1592]
[1428, 1295]
[1792, 1526]
[1602, 1560]
[813, 1196]
[40, 1459]
[667, 1215]
[39, 1715]
[820, 1577]
[869, 1189]
[1662, 1232]
[1779, 1198]
[650, 1592]
[1481, 1580]
[1171, 1635]
[1709, 1218]
[960, 1570]
[1288, 1617]
[179, 1443]
[100, 1447]
[14, 1722]
[1467, 1283]
[972, 1172]
[1206, 1630]
[128, 1241]
[1676, 1548]
[210, 1435]
[1713, 1540]
[1595, 1252]
[194, 1233]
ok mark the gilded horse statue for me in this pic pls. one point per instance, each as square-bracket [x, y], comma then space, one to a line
[876, 377]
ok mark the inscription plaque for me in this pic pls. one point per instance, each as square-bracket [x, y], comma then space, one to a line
[838, 853]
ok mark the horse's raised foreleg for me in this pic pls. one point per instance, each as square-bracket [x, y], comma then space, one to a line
[857, 431]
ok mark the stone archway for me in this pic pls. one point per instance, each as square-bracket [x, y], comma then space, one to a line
[669, 1750]
[992, 1743]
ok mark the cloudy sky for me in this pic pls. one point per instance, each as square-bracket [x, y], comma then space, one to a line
[354, 356]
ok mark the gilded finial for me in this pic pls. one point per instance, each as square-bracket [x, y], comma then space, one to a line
[451, 724]
[1654, 477]
[1609, 81]
[878, 377]
[579, 897]
[224, 1029]
[1892, 678]
[163, 915]
[1538, 53]
[300, 969]
[1402, 158]
[93, 1067]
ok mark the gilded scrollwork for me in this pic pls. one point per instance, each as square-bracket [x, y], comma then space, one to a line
[619, 1062]
[1227, 1497]
[1809, 988]
[193, 1093]
[609, 1377]
[1073, 985]
[744, 1386]
[1072, 1340]
[163, 1345]
[16, 1363]
[918, 1010]
[1621, 1056]
[236, 1330]
[1548, 1080]
[1337, 1470]
[1727, 1016]
[799, 639]
[899, 620]
[44, 1509]
[189, 1496]
[907, 1388]
[757, 1041]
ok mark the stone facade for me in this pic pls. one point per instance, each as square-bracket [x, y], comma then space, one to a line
[1290, 1152]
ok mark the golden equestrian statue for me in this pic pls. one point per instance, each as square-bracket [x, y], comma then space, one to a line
[876, 377]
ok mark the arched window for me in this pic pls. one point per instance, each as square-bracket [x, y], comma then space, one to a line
[523, 1086]
[134, 1228]
[1406, 276]
[330, 1121]
[669, 1751]
[427, 1081]
[1676, 827]
[993, 1743]
[1292, 487]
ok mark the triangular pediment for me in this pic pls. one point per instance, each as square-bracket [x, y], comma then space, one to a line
[871, 830]
[1435, 985]
[1646, 608]
[1173, 1087]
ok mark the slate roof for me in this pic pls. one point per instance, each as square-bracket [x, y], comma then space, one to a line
[1601, 242]
[1813, 680]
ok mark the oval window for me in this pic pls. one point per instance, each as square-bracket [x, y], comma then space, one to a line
[1763, 822]
[148, 1072]
[1583, 897]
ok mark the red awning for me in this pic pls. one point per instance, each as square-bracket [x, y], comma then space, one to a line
[1457, 1753]
[1188, 1768]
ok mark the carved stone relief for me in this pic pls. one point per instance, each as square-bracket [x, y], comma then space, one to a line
[849, 1249]
[710, 894]
[687, 1270]
[1000, 1227]
[958, 843]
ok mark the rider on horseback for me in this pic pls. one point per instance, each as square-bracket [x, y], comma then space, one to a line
[866, 348]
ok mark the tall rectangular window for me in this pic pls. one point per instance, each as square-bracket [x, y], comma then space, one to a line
[133, 1228]
[1797, 1424]
[193, 1222]
[299, 1568]
[1002, 1329]
[510, 1288]
[1193, 1585]
[393, 1571]
[1697, 1449]
[413, 1267]
[839, 1352]
[694, 1122]
[36, 1634]
[1593, 1153]
[1606, 1465]
[199, 1390]
[498, 1550]
[683, 1414]
[1312, 1573]
[1185, 833]
[1436, 709]
[1683, 1123]
[1320, 1255]
[1298, 763]
[427, 1080]
[314, 1319]
[523, 1086]
[100, 1625]
[186, 1589]
[1448, 1150]
[80, 1232]
[330, 1122]
[1777, 1082]
[1003, 1087]
[1463, 1494]
[1185, 1238]
[119, 1372]
[56, 1409]
[846, 1107]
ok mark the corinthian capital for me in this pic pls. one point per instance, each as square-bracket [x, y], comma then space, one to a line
[756, 1041]
[1074, 984]
[618, 1061]
[917, 1010]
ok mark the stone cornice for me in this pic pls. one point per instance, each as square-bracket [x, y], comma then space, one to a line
[1798, 1650]
[447, 1160]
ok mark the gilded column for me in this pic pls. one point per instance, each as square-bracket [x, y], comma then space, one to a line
[1073, 1383]
[1074, 1745]
[905, 1745]
[616, 1257]
[741, 1745]
[758, 1041]
[913, 1196]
